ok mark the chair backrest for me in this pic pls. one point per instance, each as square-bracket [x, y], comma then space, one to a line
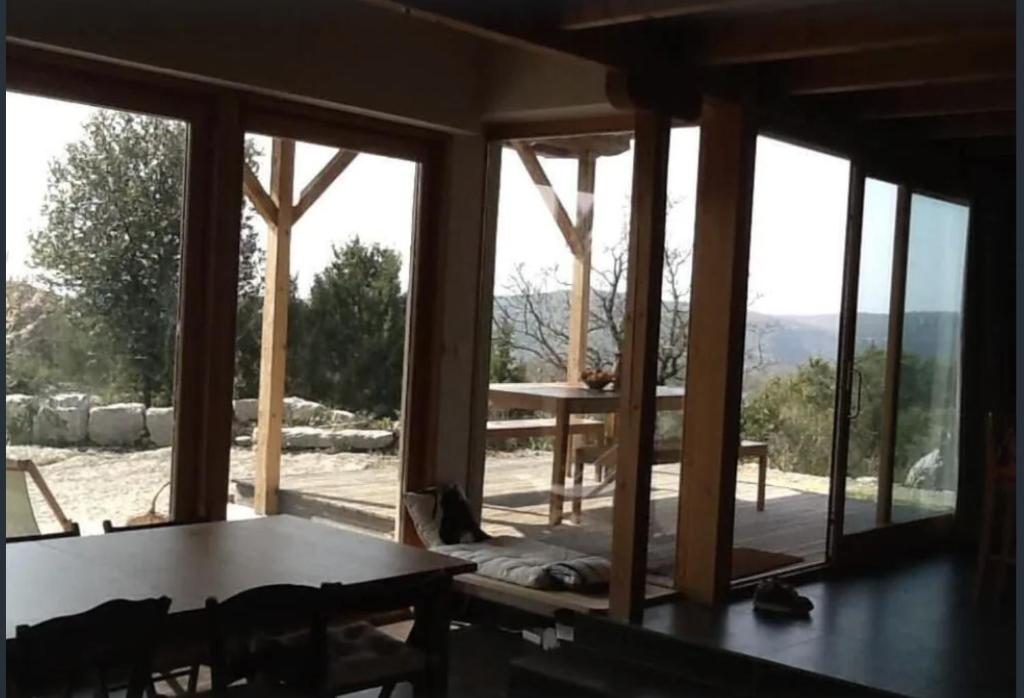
[109, 527]
[426, 595]
[380, 596]
[21, 517]
[91, 651]
[74, 532]
[246, 625]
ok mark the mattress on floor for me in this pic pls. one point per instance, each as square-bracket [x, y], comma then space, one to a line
[533, 564]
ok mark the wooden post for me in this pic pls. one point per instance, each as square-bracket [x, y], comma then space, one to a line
[714, 371]
[273, 346]
[637, 411]
[579, 308]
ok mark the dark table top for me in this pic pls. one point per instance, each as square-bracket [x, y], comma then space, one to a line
[47, 579]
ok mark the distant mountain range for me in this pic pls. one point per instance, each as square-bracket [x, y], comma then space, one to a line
[785, 340]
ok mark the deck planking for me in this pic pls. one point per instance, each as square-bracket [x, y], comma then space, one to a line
[515, 503]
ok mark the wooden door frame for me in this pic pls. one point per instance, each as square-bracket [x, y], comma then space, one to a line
[887, 539]
[422, 344]
[844, 364]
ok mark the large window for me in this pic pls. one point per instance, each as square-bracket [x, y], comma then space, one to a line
[333, 419]
[798, 234]
[93, 251]
[927, 444]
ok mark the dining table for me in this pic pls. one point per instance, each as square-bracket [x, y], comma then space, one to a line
[563, 400]
[189, 563]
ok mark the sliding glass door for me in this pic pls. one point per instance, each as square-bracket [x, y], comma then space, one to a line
[897, 434]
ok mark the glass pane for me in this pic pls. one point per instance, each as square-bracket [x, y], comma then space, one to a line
[538, 287]
[872, 336]
[349, 273]
[798, 234]
[94, 217]
[684, 147]
[928, 404]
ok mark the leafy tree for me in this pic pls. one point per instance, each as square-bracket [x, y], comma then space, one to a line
[505, 368]
[347, 346]
[111, 243]
[794, 414]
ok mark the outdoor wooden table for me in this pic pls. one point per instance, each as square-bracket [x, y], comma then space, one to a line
[564, 400]
[51, 578]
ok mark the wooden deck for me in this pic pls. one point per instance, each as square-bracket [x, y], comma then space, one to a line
[516, 503]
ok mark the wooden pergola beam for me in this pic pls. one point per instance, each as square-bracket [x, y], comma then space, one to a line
[548, 194]
[322, 180]
[897, 68]
[824, 31]
[258, 196]
[579, 302]
[273, 346]
[637, 410]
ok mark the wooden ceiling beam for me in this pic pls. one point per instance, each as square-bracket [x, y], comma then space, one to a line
[936, 100]
[590, 14]
[966, 126]
[823, 31]
[895, 68]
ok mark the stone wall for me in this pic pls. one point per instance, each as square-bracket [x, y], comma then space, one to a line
[79, 419]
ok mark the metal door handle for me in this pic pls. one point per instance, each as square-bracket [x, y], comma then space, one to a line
[860, 385]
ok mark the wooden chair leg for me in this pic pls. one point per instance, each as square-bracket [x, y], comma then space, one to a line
[762, 475]
[577, 491]
[193, 679]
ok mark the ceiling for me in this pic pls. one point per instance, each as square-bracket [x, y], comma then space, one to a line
[926, 72]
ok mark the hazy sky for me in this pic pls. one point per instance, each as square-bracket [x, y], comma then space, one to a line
[798, 224]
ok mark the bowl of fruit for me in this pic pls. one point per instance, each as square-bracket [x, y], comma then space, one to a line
[597, 379]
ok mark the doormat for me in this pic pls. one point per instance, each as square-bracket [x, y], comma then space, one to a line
[747, 562]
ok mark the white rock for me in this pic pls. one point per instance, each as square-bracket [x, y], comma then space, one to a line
[54, 426]
[926, 472]
[18, 418]
[160, 425]
[247, 410]
[123, 424]
[301, 411]
[333, 439]
[82, 401]
[341, 417]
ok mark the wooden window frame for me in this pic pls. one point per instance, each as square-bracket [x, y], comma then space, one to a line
[218, 118]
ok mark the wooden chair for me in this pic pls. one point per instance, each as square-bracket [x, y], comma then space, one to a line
[265, 636]
[175, 657]
[74, 532]
[20, 516]
[999, 497]
[361, 656]
[354, 655]
[103, 649]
